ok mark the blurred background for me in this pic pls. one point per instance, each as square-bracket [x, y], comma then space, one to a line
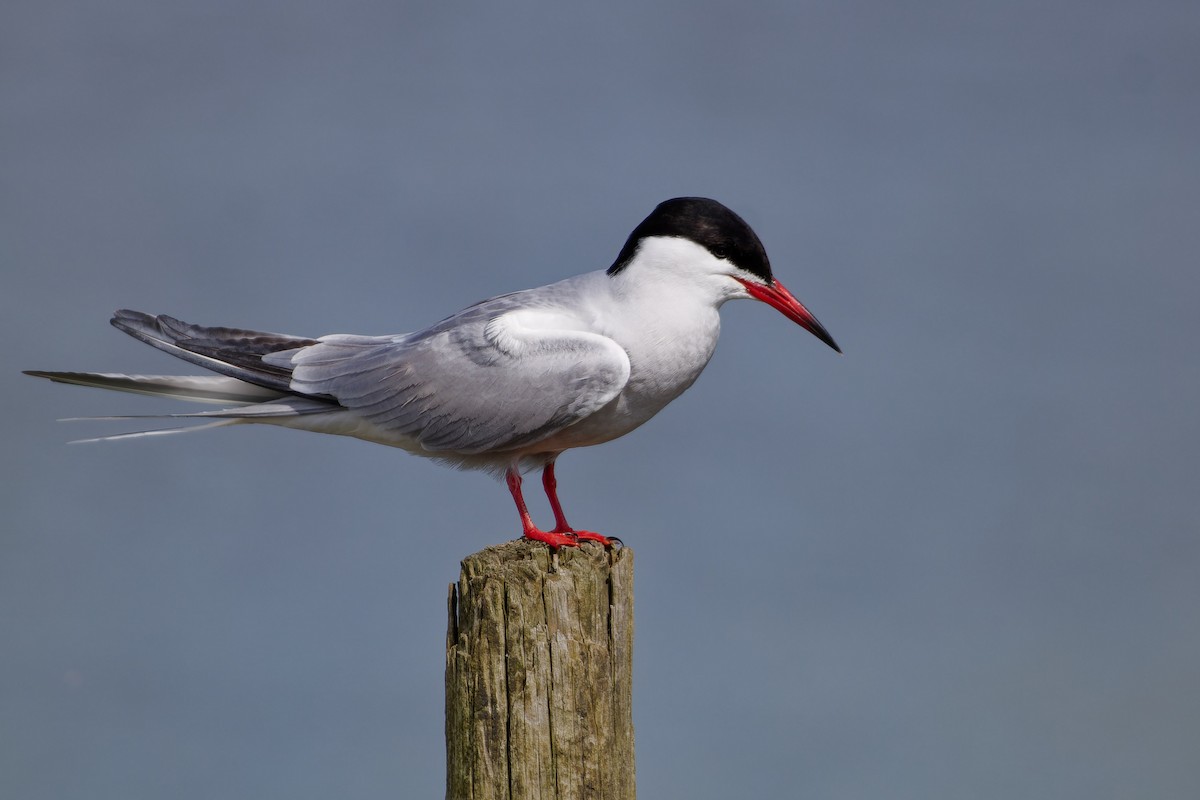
[960, 561]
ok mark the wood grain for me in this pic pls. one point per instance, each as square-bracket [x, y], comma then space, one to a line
[539, 658]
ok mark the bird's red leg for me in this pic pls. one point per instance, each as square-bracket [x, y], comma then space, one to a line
[560, 520]
[550, 484]
[554, 538]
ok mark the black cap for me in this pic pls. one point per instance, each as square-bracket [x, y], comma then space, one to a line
[707, 223]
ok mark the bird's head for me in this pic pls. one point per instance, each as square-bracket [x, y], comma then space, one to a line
[695, 241]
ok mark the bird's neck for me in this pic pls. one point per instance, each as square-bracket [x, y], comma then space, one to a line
[664, 324]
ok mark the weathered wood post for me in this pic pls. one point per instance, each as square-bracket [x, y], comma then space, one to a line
[539, 657]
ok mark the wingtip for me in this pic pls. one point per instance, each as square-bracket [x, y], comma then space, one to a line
[57, 377]
[126, 318]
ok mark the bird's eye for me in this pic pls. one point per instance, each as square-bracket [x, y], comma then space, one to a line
[721, 251]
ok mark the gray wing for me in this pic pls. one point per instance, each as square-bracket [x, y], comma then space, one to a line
[475, 383]
[234, 352]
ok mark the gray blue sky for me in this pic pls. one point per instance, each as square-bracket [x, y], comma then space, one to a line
[963, 560]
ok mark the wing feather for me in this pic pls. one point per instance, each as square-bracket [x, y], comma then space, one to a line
[234, 352]
[484, 384]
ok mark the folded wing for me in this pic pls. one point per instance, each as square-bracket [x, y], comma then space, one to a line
[485, 383]
[499, 376]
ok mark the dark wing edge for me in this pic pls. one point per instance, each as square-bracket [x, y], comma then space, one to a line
[234, 352]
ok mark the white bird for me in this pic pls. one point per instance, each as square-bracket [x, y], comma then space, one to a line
[505, 385]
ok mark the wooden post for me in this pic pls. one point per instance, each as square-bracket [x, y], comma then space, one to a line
[539, 657]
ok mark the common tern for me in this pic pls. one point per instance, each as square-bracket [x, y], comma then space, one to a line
[505, 385]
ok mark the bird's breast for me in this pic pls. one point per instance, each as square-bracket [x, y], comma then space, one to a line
[665, 358]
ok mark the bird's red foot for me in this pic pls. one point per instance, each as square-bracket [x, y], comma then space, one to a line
[563, 534]
[591, 536]
[570, 538]
[552, 538]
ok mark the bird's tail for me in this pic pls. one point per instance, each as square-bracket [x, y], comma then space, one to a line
[196, 388]
[250, 402]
